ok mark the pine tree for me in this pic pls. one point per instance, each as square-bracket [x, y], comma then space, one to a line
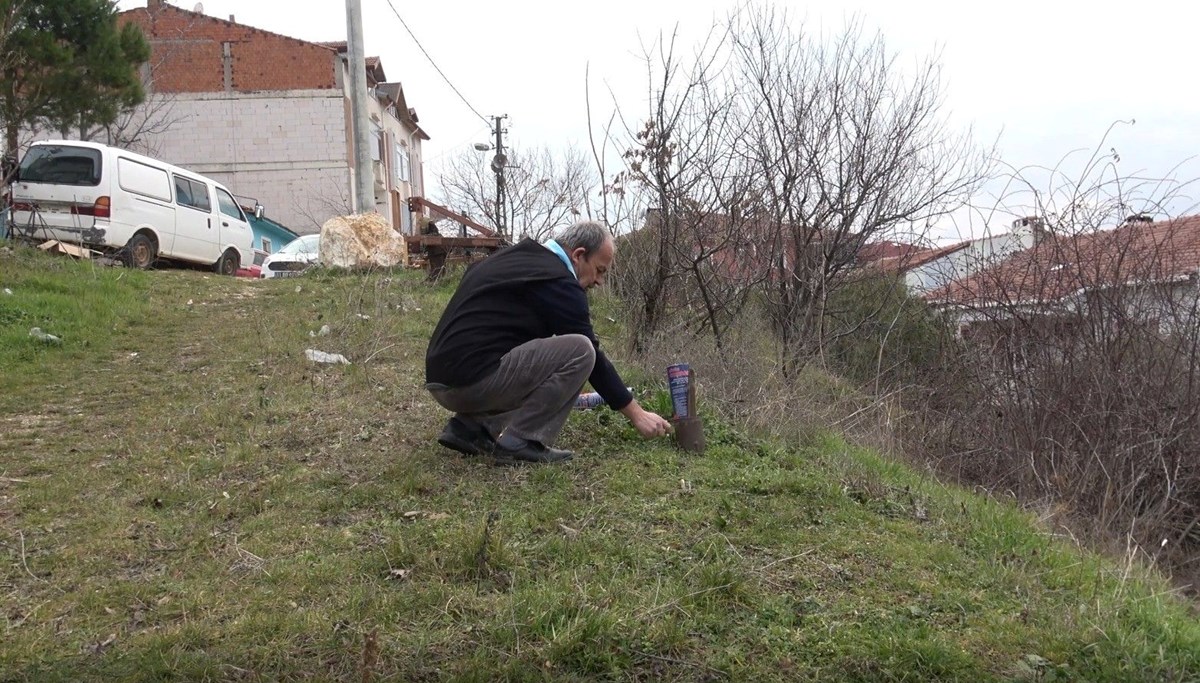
[65, 64]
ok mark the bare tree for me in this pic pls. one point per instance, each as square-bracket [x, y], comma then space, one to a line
[850, 147]
[777, 155]
[545, 190]
[141, 128]
[682, 159]
[613, 202]
[325, 201]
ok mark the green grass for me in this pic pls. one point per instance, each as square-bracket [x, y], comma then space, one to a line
[216, 507]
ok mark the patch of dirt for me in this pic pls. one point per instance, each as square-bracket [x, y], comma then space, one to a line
[11, 422]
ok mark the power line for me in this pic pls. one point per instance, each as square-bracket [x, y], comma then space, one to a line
[457, 145]
[435, 66]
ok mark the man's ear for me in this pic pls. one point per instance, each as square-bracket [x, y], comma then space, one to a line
[578, 253]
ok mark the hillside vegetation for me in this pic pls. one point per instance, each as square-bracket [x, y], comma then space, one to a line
[184, 496]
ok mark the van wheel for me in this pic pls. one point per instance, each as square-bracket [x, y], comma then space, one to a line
[228, 264]
[140, 252]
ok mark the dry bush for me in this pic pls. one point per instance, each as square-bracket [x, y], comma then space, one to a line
[740, 383]
[1077, 383]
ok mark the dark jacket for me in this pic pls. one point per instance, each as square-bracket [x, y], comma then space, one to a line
[518, 294]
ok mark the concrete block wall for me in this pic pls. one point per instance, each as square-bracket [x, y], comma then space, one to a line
[302, 200]
[286, 149]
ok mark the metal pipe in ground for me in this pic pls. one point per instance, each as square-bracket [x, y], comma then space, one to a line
[689, 427]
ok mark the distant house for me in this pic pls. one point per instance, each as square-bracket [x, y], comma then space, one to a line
[269, 116]
[921, 267]
[926, 270]
[269, 235]
[873, 252]
[1146, 270]
[751, 247]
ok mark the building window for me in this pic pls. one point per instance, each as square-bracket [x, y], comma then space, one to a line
[266, 245]
[401, 164]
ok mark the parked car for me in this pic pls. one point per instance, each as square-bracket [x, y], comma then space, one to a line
[294, 258]
[136, 207]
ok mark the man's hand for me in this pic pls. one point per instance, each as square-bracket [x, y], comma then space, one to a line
[648, 424]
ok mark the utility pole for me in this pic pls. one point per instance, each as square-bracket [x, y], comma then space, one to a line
[364, 181]
[499, 162]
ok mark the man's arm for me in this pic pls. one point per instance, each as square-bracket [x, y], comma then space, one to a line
[568, 313]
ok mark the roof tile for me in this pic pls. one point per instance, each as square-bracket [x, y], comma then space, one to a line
[1062, 265]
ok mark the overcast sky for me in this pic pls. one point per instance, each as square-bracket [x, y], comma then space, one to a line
[1044, 77]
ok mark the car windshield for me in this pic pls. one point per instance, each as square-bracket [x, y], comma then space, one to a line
[302, 245]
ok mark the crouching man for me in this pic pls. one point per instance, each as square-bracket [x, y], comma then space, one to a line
[515, 345]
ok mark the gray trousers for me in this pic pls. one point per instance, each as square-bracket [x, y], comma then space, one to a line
[531, 394]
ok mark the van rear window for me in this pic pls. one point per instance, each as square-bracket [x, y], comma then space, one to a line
[61, 165]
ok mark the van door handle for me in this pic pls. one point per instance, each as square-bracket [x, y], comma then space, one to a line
[210, 224]
[224, 224]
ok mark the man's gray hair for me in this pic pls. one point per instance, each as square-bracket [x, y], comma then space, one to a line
[587, 234]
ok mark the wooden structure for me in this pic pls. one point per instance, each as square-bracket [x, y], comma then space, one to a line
[436, 249]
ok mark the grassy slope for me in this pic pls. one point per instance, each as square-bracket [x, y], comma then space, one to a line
[216, 507]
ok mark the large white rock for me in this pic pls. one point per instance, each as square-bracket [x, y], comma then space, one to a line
[363, 240]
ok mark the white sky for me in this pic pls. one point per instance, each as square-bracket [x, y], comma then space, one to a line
[1046, 77]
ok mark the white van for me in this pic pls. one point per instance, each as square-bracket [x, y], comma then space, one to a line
[137, 207]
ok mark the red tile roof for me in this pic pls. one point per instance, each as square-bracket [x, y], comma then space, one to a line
[1137, 251]
[877, 251]
[905, 263]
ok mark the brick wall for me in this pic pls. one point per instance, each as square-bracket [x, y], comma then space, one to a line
[188, 54]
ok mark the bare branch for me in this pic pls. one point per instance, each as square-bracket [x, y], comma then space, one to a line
[546, 191]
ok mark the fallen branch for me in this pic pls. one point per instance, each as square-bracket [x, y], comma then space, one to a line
[676, 601]
[789, 559]
[24, 562]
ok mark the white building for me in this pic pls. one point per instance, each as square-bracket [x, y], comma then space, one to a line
[932, 269]
[269, 116]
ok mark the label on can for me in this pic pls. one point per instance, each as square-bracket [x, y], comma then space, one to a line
[678, 377]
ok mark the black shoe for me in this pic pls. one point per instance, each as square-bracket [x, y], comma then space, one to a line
[466, 439]
[532, 453]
